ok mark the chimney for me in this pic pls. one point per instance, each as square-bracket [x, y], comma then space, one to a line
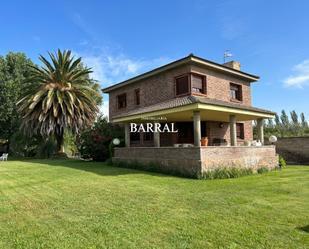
[232, 64]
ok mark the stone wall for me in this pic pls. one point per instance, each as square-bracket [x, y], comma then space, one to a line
[192, 162]
[294, 149]
[180, 161]
[239, 156]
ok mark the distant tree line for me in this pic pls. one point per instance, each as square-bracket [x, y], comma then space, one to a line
[284, 125]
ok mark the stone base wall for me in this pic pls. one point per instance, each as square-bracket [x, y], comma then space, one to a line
[238, 156]
[294, 149]
[192, 162]
[179, 161]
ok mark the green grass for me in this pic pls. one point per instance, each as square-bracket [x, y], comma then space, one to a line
[74, 204]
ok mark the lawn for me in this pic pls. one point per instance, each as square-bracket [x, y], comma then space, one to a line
[75, 204]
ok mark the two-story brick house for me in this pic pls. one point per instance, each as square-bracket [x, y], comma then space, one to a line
[203, 99]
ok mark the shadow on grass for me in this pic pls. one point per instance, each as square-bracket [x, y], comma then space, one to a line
[304, 228]
[99, 168]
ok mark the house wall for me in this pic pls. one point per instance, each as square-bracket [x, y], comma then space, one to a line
[218, 85]
[193, 162]
[161, 87]
[153, 90]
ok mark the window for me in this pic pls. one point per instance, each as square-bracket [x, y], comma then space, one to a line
[240, 130]
[122, 101]
[148, 136]
[235, 92]
[134, 136]
[137, 96]
[198, 83]
[182, 85]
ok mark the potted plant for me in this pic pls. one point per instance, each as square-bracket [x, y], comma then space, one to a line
[204, 141]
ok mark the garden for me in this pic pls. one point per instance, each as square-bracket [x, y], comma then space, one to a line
[77, 204]
[58, 189]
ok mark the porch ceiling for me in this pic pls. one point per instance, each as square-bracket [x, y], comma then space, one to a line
[208, 112]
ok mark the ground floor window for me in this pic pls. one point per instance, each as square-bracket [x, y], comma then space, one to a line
[240, 130]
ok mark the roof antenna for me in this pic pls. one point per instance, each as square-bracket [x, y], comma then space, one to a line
[227, 53]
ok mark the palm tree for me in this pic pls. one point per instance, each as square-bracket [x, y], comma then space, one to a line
[62, 97]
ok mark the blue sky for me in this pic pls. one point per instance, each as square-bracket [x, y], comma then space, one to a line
[120, 39]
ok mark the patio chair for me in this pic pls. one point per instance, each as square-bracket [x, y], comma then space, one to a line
[4, 157]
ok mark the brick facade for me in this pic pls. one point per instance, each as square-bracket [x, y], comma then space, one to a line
[161, 87]
[193, 162]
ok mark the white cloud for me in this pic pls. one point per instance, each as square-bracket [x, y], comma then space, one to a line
[112, 68]
[301, 76]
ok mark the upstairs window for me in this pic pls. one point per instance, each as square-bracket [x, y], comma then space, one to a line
[235, 92]
[122, 101]
[198, 83]
[240, 131]
[182, 85]
[137, 97]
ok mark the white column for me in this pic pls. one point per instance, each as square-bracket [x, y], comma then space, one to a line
[156, 139]
[127, 134]
[197, 128]
[260, 130]
[233, 132]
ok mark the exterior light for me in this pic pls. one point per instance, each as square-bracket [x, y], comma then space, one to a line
[273, 139]
[116, 141]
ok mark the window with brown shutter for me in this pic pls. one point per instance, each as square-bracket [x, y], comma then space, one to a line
[240, 131]
[137, 96]
[122, 101]
[235, 92]
[182, 85]
[198, 83]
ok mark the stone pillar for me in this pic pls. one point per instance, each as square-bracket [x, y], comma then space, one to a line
[260, 130]
[197, 128]
[127, 134]
[233, 132]
[156, 139]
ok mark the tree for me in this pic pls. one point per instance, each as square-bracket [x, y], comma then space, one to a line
[61, 97]
[304, 122]
[277, 121]
[270, 123]
[95, 142]
[294, 118]
[14, 71]
[284, 119]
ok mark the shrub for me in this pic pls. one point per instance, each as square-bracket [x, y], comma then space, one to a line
[282, 162]
[96, 142]
[262, 170]
[224, 172]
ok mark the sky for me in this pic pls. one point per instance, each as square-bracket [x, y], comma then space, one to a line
[120, 39]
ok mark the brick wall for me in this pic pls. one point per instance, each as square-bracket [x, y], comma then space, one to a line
[294, 149]
[192, 162]
[218, 85]
[153, 90]
[239, 156]
[161, 87]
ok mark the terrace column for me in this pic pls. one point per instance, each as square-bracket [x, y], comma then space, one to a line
[233, 132]
[260, 130]
[156, 139]
[197, 128]
[127, 134]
